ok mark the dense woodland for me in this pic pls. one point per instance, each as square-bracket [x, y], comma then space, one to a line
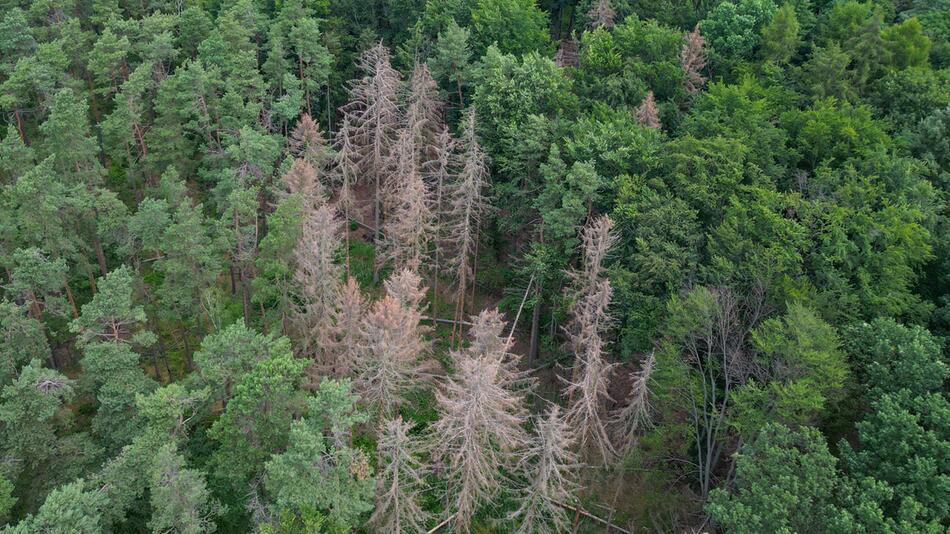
[288, 266]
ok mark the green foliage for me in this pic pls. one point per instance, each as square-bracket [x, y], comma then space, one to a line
[514, 26]
[21, 340]
[907, 43]
[28, 410]
[73, 509]
[809, 372]
[782, 241]
[111, 373]
[180, 498]
[112, 315]
[341, 490]
[225, 357]
[785, 482]
[733, 29]
[780, 37]
[890, 357]
[257, 419]
[902, 455]
[620, 66]
[829, 132]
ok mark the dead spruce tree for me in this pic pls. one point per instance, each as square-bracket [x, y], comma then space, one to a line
[347, 317]
[409, 227]
[302, 179]
[647, 114]
[306, 141]
[636, 414]
[693, 60]
[392, 349]
[587, 388]
[466, 207]
[601, 14]
[424, 113]
[550, 468]
[400, 482]
[480, 431]
[317, 278]
[346, 175]
[373, 117]
[439, 173]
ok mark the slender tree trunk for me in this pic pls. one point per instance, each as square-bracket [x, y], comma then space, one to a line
[189, 364]
[471, 304]
[245, 298]
[100, 254]
[72, 300]
[92, 282]
[158, 370]
[377, 204]
[19, 126]
[233, 279]
[535, 326]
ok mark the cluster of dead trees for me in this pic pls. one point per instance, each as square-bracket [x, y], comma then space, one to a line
[395, 162]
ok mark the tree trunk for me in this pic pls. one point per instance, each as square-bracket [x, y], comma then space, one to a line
[535, 326]
[72, 301]
[189, 364]
[376, 208]
[100, 254]
[92, 282]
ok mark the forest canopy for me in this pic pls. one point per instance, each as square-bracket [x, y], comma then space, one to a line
[531, 266]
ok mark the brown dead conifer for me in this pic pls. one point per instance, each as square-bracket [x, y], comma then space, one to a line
[306, 141]
[400, 482]
[424, 112]
[467, 205]
[439, 173]
[601, 14]
[647, 114]
[318, 280]
[409, 227]
[347, 317]
[480, 431]
[591, 293]
[550, 467]
[373, 115]
[693, 60]
[636, 414]
[303, 179]
[392, 348]
[346, 175]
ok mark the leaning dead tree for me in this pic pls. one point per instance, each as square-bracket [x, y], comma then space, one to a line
[400, 482]
[392, 349]
[467, 205]
[591, 293]
[693, 60]
[409, 227]
[317, 279]
[550, 468]
[647, 114]
[480, 428]
[373, 117]
[637, 413]
[601, 14]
